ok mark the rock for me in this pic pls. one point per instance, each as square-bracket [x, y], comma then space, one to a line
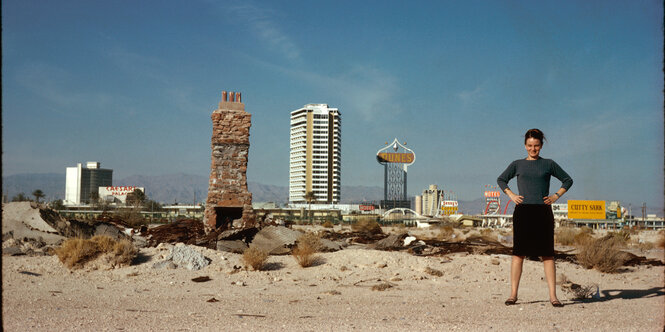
[329, 246]
[186, 256]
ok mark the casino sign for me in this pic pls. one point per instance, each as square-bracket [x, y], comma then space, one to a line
[396, 153]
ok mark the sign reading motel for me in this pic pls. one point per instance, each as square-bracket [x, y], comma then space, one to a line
[586, 209]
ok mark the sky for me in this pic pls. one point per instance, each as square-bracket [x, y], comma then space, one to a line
[132, 84]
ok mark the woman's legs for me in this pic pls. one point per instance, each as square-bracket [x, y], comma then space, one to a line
[515, 275]
[550, 275]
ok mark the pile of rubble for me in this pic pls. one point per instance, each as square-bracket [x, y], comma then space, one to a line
[30, 229]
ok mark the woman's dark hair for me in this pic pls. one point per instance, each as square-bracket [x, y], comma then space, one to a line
[534, 133]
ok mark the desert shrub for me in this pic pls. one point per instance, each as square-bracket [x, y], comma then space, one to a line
[621, 237]
[75, 252]
[308, 245]
[582, 238]
[328, 224]
[601, 254]
[123, 252]
[565, 235]
[367, 226]
[573, 236]
[254, 258]
[132, 217]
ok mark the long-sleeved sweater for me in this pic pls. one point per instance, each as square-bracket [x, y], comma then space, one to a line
[533, 178]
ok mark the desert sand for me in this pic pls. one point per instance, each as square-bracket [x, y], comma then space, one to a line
[351, 289]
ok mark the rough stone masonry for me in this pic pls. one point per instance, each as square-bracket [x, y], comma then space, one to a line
[229, 203]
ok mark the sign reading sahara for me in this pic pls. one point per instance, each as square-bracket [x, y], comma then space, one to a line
[586, 209]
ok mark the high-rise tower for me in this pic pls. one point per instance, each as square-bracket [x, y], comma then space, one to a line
[315, 163]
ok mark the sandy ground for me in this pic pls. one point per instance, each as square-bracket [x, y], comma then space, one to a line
[40, 294]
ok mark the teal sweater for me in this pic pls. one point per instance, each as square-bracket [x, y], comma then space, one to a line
[533, 178]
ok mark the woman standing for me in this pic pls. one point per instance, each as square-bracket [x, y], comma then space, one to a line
[533, 221]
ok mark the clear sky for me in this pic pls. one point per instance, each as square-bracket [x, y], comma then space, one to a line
[132, 84]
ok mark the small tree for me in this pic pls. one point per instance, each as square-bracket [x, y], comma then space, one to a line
[38, 194]
[310, 197]
[136, 197]
[20, 197]
[57, 205]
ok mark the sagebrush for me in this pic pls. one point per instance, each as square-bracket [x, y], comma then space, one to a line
[304, 252]
[255, 258]
[367, 226]
[602, 254]
[75, 252]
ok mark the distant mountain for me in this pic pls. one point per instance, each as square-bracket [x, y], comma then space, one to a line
[188, 188]
[169, 188]
[51, 184]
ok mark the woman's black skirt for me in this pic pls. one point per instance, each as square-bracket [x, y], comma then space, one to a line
[533, 230]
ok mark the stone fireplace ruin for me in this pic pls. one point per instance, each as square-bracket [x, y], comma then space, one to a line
[229, 203]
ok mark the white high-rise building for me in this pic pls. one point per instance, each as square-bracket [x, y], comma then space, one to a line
[315, 163]
[82, 183]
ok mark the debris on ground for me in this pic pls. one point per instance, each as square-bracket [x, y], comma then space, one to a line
[185, 256]
[275, 240]
[186, 231]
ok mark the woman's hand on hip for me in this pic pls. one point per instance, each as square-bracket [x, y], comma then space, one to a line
[516, 198]
[550, 199]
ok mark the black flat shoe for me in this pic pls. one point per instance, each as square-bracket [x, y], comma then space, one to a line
[556, 304]
[511, 301]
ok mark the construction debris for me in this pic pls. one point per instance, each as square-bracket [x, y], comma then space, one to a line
[276, 240]
[184, 256]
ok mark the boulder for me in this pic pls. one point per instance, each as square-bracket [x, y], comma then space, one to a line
[187, 257]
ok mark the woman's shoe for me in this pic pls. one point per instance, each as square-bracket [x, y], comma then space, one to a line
[556, 304]
[511, 301]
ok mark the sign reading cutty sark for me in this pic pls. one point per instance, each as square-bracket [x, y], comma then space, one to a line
[395, 153]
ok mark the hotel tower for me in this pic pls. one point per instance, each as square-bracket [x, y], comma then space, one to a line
[315, 163]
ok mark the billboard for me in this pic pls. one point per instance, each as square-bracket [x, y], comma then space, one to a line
[119, 192]
[586, 209]
[398, 158]
[449, 207]
[395, 153]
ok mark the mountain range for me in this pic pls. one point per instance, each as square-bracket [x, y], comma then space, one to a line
[168, 189]
[188, 188]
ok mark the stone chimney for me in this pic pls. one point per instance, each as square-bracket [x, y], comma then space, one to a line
[229, 202]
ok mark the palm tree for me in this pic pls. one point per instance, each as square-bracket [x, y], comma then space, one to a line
[38, 194]
[310, 197]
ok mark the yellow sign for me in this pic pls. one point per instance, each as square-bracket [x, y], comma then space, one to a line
[400, 158]
[586, 209]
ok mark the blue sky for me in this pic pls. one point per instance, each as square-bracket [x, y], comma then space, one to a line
[131, 84]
